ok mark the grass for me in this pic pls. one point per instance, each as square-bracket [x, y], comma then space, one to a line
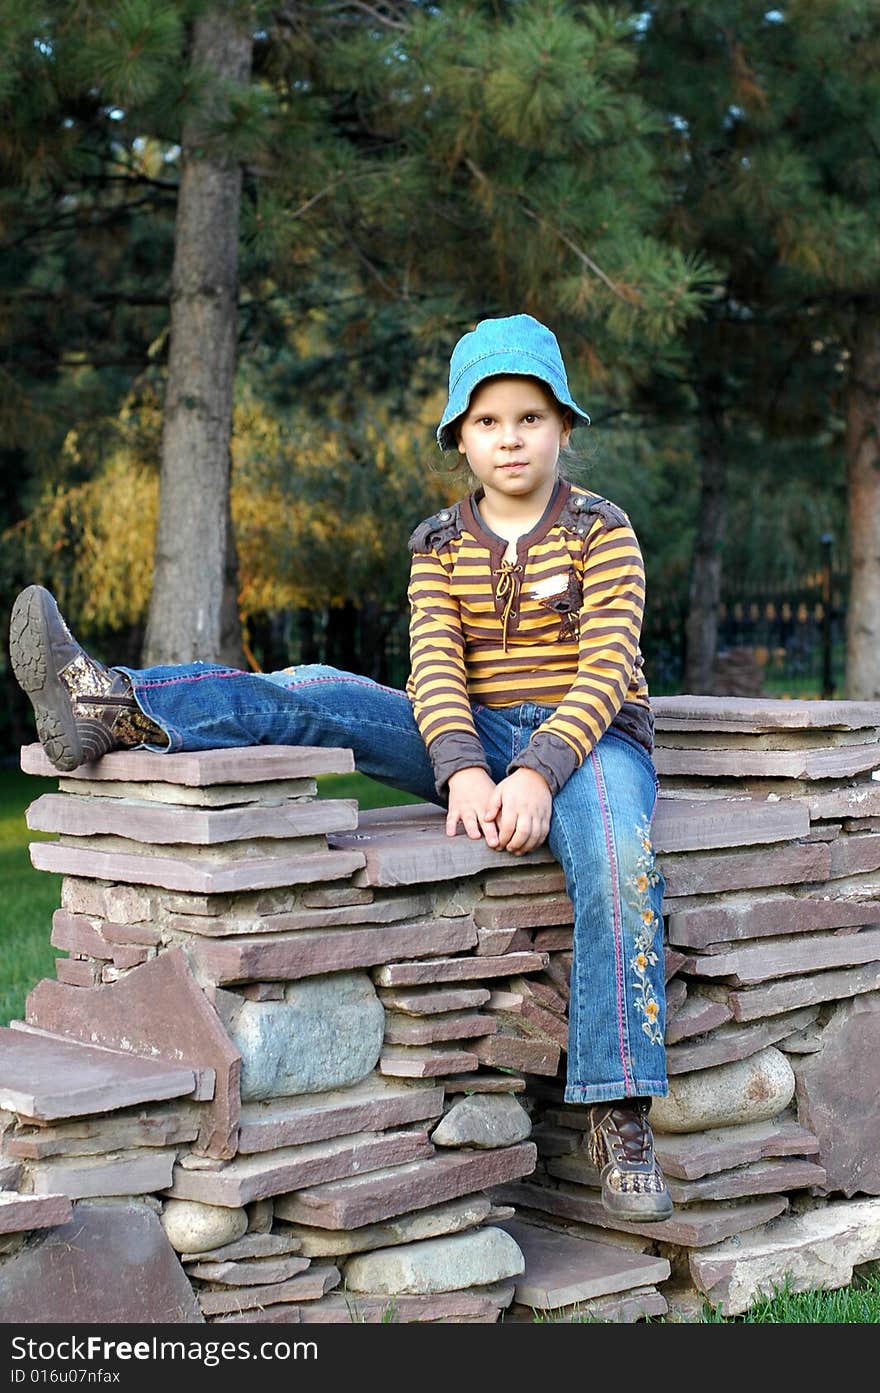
[28, 899]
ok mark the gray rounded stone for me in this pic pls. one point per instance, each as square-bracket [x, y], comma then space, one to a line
[483, 1120]
[439, 1264]
[326, 1033]
[192, 1227]
[748, 1090]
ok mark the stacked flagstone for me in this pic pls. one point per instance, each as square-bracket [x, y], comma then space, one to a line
[332, 1049]
[321, 1111]
[772, 916]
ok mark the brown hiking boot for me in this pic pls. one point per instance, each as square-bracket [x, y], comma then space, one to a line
[620, 1145]
[82, 708]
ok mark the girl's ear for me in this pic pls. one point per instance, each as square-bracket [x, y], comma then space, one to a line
[567, 425]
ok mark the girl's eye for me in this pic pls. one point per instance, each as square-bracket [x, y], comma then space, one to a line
[485, 421]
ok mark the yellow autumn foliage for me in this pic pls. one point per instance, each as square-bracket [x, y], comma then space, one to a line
[321, 515]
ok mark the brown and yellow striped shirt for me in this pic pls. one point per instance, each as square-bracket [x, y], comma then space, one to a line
[559, 627]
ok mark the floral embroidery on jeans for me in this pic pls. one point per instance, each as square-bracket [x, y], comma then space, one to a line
[645, 955]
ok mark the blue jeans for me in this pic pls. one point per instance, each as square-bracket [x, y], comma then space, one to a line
[599, 832]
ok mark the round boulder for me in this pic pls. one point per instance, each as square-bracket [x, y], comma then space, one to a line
[192, 1227]
[749, 1090]
[326, 1033]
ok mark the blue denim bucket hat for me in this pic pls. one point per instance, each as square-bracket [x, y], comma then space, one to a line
[517, 345]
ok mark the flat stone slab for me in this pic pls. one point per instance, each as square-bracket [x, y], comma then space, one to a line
[709, 872]
[752, 916]
[761, 714]
[736, 1041]
[842, 762]
[19, 1213]
[98, 1135]
[454, 1217]
[837, 1091]
[695, 1016]
[429, 1001]
[788, 956]
[695, 1227]
[278, 1172]
[818, 1249]
[465, 969]
[158, 1011]
[195, 876]
[241, 917]
[409, 845]
[83, 1177]
[373, 1104]
[689, 1155]
[47, 1077]
[248, 765]
[310, 1285]
[702, 824]
[750, 1003]
[259, 1272]
[511, 1052]
[369, 1199]
[252, 1245]
[110, 1264]
[286, 957]
[349, 1308]
[412, 849]
[160, 823]
[623, 1308]
[208, 796]
[562, 1269]
[405, 1062]
[775, 1177]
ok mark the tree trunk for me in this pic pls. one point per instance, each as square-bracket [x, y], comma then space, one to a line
[701, 626]
[193, 544]
[863, 487]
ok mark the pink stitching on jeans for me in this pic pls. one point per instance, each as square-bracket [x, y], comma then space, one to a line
[617, 931]
[196, 677]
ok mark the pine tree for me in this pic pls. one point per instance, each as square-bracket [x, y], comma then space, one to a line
[770, 115]
[407, 169]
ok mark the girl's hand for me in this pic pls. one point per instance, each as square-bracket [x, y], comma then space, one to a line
[470, 791]
[525, 803]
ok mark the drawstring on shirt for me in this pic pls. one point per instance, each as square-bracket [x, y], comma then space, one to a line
[508, 588]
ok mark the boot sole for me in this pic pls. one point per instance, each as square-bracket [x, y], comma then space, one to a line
[635, 1215]
[30, 655]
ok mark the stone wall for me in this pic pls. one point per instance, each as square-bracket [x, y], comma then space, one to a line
[314, 1060]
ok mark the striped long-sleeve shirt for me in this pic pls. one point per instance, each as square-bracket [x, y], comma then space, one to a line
[558, 627]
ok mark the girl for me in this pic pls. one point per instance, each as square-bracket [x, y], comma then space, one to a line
[526, 713]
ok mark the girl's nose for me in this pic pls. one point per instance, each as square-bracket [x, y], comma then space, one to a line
[510, 435]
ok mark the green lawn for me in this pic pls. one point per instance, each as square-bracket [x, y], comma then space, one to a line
[28, 899]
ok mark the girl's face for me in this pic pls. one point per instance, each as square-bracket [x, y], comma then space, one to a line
[511, 435]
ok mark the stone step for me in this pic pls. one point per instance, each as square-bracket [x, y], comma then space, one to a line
[787, 957]
[193, 876]
[841, 763]
[690, 1155]
[159, 823]
[369, 1199]
[697, 1226]
[277, 1172]
[19, 1213]
[196, 768]
[761, 713]
[407, 846]
[373, 1103]
[46, 1077]
[562, 1269]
